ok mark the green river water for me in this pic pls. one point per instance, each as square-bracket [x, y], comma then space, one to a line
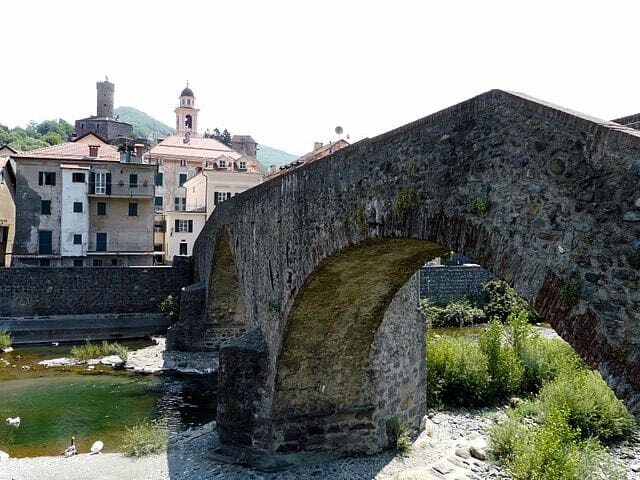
[55, 404]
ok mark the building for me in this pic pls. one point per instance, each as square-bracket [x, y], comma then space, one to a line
[7, 205]
[319, 151]
[103, 124]
[82, 203]
[183, 156]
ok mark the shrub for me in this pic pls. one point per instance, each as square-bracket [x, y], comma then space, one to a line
[456, 373]
[503, 366]
[455, 314]
[171, 307]
[144, 438]
[569, 294]
[5, 339]
[480, 204]
[119, 350]
[499, 300]
[94, 350]
[398, 435]
[403, 200]
[591, 406]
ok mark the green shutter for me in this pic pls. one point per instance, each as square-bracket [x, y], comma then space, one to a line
[177, 226]
[190, 225]
[92, 182]
[108, 184]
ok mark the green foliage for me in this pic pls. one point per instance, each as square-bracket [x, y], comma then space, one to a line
[403, 201]
[398, 435]
[570, 294]
[171, 307]
[360, 220]
[480, 204]
[455, 314]
[5, 339]
[36, 135]
[499, 300]
[94, 350]
[144, 126]
[273, 305]
[504, 368]
[457, 372]
[447, 256]
[224, 137]
[145, 438]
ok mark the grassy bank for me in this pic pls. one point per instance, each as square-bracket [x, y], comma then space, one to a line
[5, 339]
[94, 350]
[567, 418]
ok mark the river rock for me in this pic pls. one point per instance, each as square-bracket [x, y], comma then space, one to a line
[3, 456]
[60, 362]
[463, 452]
[6, 349]
[635, 467]
[112, 360]
[477, 452]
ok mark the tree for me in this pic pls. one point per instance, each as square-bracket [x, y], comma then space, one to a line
[226, 138]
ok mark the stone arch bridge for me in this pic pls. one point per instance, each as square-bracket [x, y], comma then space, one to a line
[313, 272]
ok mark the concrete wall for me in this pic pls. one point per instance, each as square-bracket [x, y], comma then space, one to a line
[66, 291]
[444, 284]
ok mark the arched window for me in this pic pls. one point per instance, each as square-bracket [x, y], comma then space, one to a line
[188, 122]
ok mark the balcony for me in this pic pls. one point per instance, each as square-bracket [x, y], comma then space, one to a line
[123, 190]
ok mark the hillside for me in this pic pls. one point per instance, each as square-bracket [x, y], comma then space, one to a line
[145, 126]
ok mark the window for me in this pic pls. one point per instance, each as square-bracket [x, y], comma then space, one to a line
[222, 163]
[45, 242]
[133, 209]
[78, 263]
[102, 208]
[183, 163]
[114, 262]
[97, 262]
[183, 226]
[133, 181]
[179, 204]
[77, 207]
[47, 178]
[158, 202]
[45, 207]
[101, 242]
[183, 248]
[219, 197]
[182, 178]
[45, 262]
[101, 183]
[77, 177]
[242, 165]
[77, 239]
[159, 179]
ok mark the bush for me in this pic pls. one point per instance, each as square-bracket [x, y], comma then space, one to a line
[455, 314]
[591, 406]
[456, 373]
[498, 300]
[5, 339]
[94, 350]
[171, 307]
[503, 366]
[144, 438]
[398, 435]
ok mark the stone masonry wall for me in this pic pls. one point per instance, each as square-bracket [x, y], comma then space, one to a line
[41, 291]
[448, 284]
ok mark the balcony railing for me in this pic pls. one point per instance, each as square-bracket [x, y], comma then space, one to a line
[121, 190]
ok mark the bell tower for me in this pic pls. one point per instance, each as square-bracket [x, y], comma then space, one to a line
[187, 113]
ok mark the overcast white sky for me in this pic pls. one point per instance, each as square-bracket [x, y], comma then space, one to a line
[289, 72]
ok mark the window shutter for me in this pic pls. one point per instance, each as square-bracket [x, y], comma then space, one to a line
[190, 225]
[53, 178]
[108, 184]
[92, 182]
[177, 226]
[40, 178]
[215, 198]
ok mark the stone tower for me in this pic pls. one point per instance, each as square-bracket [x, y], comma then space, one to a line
[105, 99]
[187, 113]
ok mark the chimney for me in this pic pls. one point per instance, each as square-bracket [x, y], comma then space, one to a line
[317, 145]
[139, 151]
[93, 151]
[272, 169]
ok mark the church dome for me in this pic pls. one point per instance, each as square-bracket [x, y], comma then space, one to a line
[187, 92]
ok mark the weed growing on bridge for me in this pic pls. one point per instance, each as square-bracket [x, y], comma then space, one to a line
[570, 294]
[171, 307]
[480, 204]
[360, 220]
[403, 201]
[5, 339]
[273, 305]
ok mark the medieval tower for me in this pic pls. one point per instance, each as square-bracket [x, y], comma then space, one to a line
[187, 114]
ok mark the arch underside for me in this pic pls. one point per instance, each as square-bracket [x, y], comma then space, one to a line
[324, 362]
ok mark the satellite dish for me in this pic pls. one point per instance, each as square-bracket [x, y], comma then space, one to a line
[339, 130]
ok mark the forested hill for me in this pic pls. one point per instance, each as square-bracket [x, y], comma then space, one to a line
[144, 126]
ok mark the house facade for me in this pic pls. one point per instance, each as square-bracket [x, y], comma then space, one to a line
[184, 156]
[81, 204]
[7, 205]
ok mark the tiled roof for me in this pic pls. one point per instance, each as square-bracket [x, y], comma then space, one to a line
[201, 148]
[78, 150]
